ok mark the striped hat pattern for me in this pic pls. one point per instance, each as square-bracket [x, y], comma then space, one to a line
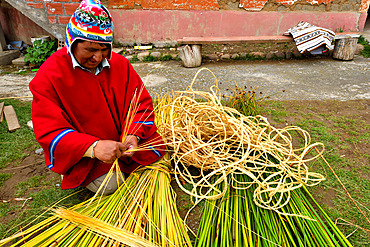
[91, 22]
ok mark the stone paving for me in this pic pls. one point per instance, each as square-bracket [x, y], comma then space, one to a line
[312, 79]
[304, 79]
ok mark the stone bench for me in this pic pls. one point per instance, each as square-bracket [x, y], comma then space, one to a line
[191, 47]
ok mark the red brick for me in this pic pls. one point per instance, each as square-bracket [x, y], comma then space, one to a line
[55, 8]
[76, 0]
[364, 6]
[36, 5]
[29, 0]
[63, 19]
[70, 8]
[52, 19]
[55, 1]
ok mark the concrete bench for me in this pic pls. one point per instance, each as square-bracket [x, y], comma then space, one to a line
[190, 52]
[234, 40]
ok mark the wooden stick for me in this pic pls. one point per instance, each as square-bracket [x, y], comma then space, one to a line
[1, 111]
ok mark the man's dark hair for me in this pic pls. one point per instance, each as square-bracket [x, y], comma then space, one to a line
[81, 40]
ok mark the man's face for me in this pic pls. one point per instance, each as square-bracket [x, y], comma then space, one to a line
[90, 54]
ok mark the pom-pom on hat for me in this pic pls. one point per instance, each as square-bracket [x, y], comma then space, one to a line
[91, 22]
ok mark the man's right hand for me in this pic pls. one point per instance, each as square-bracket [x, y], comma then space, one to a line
[108, 151]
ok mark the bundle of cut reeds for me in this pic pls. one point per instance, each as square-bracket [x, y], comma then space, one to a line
[235, 220]
[142, 212]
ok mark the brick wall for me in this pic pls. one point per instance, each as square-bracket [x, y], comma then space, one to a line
[16, 26]
[58, 11]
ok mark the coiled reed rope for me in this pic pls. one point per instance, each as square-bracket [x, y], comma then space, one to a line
[222, 142]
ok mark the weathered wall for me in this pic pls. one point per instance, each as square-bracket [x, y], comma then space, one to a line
[16, 26]
[59, 11]
[249, 5]
[146, 26]
[151, 21]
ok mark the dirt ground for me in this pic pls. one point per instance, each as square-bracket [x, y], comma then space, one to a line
[34, 165]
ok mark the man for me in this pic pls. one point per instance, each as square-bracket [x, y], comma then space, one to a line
[81, 101]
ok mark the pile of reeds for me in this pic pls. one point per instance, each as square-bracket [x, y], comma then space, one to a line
[142, 212]
[251, 174]
[220, 141]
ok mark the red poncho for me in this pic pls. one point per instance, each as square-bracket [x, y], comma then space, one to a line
[72, 108]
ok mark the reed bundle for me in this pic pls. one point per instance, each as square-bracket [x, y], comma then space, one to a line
[220, 141]
[142, 212]
[234, 220]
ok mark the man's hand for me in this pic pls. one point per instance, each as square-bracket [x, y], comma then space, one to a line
[130, 143]
[108, 151]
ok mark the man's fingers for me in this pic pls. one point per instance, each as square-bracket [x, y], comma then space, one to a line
[108, 151]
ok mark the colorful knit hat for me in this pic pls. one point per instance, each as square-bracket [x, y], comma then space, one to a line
[91, 22]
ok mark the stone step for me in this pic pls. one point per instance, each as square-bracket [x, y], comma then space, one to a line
[19, 62]
[6, 57]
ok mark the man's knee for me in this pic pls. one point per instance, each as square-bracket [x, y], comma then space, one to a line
[110, 186]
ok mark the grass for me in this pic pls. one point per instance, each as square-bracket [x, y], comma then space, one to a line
[166, 57]
[33, 183]
[29, 212]
[276, 110]
[12, 144]
[14, 147]
[4, 210]
[339, 133]
[365, 43]
[4, 177]
[150, 58]
[134, 59]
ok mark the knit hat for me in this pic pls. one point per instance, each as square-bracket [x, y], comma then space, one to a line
[91, 22]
